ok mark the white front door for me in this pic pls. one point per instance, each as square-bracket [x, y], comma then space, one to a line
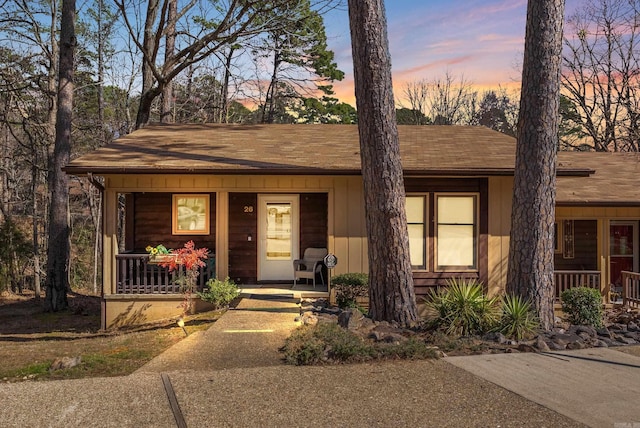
[278, 238]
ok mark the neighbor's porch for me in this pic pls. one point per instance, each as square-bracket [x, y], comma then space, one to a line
[600, 253]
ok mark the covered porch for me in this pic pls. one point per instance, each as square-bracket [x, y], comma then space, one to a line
[597, 248]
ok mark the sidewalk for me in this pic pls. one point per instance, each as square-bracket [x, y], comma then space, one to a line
[247, 336]
[599, 386]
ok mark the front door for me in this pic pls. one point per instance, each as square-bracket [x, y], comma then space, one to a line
[623, 249]
[278, 239]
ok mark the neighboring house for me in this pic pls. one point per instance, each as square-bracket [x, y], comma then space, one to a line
[258, 195]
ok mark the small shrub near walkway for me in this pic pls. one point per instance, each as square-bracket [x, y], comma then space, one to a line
[330, 343]
[583, 306]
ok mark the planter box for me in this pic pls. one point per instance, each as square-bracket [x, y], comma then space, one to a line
[162, 258]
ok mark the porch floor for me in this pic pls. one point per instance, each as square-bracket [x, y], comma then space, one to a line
[299, 291]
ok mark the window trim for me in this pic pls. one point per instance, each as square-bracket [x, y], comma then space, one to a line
[426, 225]
[476, 233]
[558, 236]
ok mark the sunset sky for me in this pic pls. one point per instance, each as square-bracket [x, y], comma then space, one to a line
[483, 40]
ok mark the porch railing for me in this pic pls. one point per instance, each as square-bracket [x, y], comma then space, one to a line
[136, 275]
[566, 279]
[631, 289]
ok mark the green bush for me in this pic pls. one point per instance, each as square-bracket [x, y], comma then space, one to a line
[518, 320]
[220, 293]
[462, 308]
[583, 306]
[350, 286]
[303, 347]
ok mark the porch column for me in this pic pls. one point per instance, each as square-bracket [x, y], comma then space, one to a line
[222, 235]
[603, 257]
[109, 241]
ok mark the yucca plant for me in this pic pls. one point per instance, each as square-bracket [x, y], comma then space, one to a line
[462, 308]
[518, 320]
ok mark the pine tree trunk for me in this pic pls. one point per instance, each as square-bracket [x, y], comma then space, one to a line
[166, 116]
[391, 293]
[59, 250]
[531, 247]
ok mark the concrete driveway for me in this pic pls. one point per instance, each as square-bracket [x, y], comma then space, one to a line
[599, 387]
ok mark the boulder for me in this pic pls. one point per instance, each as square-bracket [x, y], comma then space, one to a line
[495, 336]
[65, 363]
[542, 345]
[626, 340]
[604, 332]
[351, 319]
[554, 346]
[576, 345]
[586, 329]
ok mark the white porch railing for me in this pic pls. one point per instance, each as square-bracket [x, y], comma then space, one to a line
[631, 289]
[566, 279]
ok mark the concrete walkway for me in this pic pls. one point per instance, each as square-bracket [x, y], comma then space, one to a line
[247, 336]
[599, 387]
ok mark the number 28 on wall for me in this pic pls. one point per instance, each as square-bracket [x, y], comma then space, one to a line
[247, 209]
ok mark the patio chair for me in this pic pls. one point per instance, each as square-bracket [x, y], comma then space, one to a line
[309, 265]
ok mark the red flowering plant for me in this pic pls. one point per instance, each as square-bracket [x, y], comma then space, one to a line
[191, 258]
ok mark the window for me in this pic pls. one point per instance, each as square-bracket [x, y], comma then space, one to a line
[190, 214]
[456, 232]
[416, 210]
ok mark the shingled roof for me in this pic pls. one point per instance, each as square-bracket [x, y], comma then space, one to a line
[616, 180]
[583, 178]
[298, 149]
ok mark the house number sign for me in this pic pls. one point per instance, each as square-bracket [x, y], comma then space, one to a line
[330, 261]
[247, 208]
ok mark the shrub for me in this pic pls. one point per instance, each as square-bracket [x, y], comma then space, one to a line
[302, 347]
[462, 308]
[350, 286]
[311, 344]
[518, 320]
[412, 349]
[583, 306]
[220, 293]
[328, 342]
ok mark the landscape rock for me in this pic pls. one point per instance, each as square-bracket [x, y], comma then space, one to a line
[65, 363]
[621, 327]
[394, 338]
[557, 346]
[523, 347]
[351, 319]
[576, 345]
[309, 319]
[585, 329]
[495, 336]
[604, 332]
[541, 345]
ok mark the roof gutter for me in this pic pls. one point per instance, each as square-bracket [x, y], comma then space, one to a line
[468, 172]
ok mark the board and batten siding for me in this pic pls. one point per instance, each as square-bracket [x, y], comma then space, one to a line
[500, 196]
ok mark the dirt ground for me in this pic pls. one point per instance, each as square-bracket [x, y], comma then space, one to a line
[31, 339]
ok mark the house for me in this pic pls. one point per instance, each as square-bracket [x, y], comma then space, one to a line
[258, 195]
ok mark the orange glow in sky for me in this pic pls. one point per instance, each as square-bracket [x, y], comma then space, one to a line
[483, 41]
